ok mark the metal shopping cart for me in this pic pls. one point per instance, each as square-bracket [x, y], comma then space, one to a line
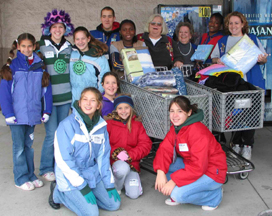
[154, 110]
[236, 111]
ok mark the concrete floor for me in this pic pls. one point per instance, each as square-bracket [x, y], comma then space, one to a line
[241, 197]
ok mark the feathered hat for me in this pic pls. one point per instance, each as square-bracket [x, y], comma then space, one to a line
[57, 17]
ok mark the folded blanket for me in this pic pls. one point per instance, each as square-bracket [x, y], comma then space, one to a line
[162, 78]
[216, 70]
[202, 52]
[243, 55]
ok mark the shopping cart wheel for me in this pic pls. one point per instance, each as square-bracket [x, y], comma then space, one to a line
[243, 175]
[226, 179]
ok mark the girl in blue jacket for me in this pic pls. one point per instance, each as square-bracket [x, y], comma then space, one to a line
[84, 180]
[87, 63]
[25, 94]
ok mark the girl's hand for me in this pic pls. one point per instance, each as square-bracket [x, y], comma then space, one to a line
[168, 188]
[262, 59]
[11, 120]
[161, 180]
[45, 118]
[178, 64]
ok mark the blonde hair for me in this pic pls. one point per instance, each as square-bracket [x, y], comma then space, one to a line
[151, 18]
[132, 113]
[98, 96]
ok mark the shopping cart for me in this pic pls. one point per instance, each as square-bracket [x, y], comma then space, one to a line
[154, 110]
[236, 111]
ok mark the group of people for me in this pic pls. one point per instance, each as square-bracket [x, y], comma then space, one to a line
[92, 154]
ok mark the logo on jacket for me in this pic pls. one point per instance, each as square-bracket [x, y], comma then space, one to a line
[79, 67]
[60, 66]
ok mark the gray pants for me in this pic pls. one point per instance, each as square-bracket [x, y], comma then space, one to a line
[124, 176]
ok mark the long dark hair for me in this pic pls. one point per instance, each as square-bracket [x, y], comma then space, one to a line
[184, 103]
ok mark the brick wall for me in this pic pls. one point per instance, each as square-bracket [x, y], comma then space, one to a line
[17, 16]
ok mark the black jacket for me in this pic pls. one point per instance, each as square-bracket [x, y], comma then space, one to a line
[160, 53]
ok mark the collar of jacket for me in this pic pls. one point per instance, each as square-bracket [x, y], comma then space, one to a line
[63, 47]
[37, 60]
[91, 52]
[196, 117]
[216, 34]
[163, 38]
[115, 28]
[111, 117]
[101, 123]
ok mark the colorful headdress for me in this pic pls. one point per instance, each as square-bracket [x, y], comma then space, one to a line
[57, 17]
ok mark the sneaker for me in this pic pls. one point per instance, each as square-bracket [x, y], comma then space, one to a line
[37, 183]
[246, 152]
[209, 208]
[28, 186]
[50, 176]
[171, 202]
[236, 148]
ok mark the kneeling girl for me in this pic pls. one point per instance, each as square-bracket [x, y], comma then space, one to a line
[82, 151]
[197, 174]
[129, 144]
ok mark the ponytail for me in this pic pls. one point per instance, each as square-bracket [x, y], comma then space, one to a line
[5, 71]
[46, 76]
[100, 47]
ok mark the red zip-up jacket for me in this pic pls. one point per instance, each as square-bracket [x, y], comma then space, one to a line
[136, 143]
[200, 151]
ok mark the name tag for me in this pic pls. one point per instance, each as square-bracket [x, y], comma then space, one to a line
[183, 147]
[49, 54]
[133, 182]
[97, 139]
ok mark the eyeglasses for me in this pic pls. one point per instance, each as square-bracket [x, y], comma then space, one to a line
[154, 23]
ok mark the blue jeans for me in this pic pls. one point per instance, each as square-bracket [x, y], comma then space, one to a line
[47, 156]
[204, 191]
[23, 153]
[76, 202]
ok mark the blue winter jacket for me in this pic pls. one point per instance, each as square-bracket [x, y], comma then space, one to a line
[96, 67]
[107, 37]
[82, 158]
[23, 96]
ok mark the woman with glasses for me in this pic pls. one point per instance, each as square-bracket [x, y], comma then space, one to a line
[163, 50]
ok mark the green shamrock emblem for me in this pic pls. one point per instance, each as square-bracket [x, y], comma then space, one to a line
[60, 66]
[79, 67]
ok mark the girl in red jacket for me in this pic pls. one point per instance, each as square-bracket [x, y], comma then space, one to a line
[129, 144]
[190, 164]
